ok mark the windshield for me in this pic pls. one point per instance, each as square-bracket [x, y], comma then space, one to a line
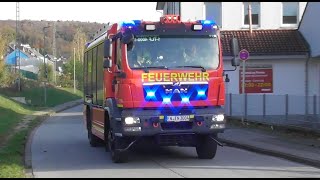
[174, 52]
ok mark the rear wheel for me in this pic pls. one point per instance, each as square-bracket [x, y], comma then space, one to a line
[114, 144]
[206, 147]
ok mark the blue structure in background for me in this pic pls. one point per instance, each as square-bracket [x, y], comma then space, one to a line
[11, 58]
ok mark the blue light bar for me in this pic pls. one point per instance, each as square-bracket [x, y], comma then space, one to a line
[137, 22]
[185, 100]
[208, 22]
[166, 100]
[201, 93]
[124, 23]
[150, 94]
[131, 23]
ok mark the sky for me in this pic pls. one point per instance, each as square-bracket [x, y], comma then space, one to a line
[100, 12]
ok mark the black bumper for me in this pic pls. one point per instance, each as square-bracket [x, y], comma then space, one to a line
[153, 122]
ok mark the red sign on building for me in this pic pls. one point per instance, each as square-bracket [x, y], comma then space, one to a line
[258, 79]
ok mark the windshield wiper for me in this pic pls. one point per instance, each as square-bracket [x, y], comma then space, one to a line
[202, 68]
[146, 68]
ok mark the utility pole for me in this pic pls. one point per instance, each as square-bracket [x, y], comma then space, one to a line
[17, 50]
[74, 70]
[250, 17]
[45, 67]
[54, 53]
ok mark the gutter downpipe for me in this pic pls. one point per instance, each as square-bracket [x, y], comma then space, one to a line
[307, 84]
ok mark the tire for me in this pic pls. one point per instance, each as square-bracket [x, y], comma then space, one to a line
[93, 139]
[106, 140]
[117, 143]
[206, 147]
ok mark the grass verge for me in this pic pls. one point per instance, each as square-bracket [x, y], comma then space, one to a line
[13, 141]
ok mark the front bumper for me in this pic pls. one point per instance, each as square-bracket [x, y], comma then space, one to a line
[153, 122]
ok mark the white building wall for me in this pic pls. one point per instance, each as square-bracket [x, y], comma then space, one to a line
[270, 15]
[192, 11]
[288, 76]
[314, 76]
[213, 11]
[232, 15]
[287, 79]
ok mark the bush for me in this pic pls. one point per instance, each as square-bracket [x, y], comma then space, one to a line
[7, 78]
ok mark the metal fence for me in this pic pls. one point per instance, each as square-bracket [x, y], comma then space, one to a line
[282, 110]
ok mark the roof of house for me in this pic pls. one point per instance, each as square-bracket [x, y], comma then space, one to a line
[266, 42]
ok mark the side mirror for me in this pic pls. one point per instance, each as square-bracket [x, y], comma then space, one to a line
[107, 63]
[234, 47]
[127, 38]
[108, 48]
[235, 51]
[235, 61]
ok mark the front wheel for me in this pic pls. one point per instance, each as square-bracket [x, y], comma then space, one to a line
[116, 143]
[206, 147]
[93, 140]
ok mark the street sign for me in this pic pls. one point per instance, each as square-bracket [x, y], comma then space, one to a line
[244, 55]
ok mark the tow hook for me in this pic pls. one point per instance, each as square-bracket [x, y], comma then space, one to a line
[219, 143]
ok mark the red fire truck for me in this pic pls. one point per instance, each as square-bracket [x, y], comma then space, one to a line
[161, 81]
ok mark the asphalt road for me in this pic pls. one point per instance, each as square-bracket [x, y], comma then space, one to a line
[60, 148]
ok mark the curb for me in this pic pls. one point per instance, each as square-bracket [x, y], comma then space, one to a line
[51, 111]
[290, 157]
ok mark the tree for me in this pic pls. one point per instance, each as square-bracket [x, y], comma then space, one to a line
[78, 42]
[68, 73]
[45, 69]
[7, 35]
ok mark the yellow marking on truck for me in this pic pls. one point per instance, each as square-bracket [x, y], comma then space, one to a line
[120, 105]
[174, 77]
[98, 128]
[161, 117]
[191, 116]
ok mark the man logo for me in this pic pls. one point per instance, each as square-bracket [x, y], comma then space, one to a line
[176, 84]
[176, 89]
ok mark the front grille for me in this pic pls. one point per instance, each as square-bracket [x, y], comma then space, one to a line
[174, 139]
[175, 93]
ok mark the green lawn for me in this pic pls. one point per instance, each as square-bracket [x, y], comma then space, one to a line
[11, 113]
[55, 96]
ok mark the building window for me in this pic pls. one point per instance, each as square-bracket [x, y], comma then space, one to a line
[173, 8]
[290, 12]
[255, 11]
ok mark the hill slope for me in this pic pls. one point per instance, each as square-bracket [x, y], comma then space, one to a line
[31, 32]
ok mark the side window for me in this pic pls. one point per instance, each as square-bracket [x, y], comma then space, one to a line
[100, 81]
[94, 75]
[89, 72]
[119, 56]
[85, 71]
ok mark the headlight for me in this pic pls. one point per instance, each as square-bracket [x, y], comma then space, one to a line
[219, 117]
[132, 120]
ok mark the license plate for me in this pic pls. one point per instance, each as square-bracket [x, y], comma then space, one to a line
[178, 118]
